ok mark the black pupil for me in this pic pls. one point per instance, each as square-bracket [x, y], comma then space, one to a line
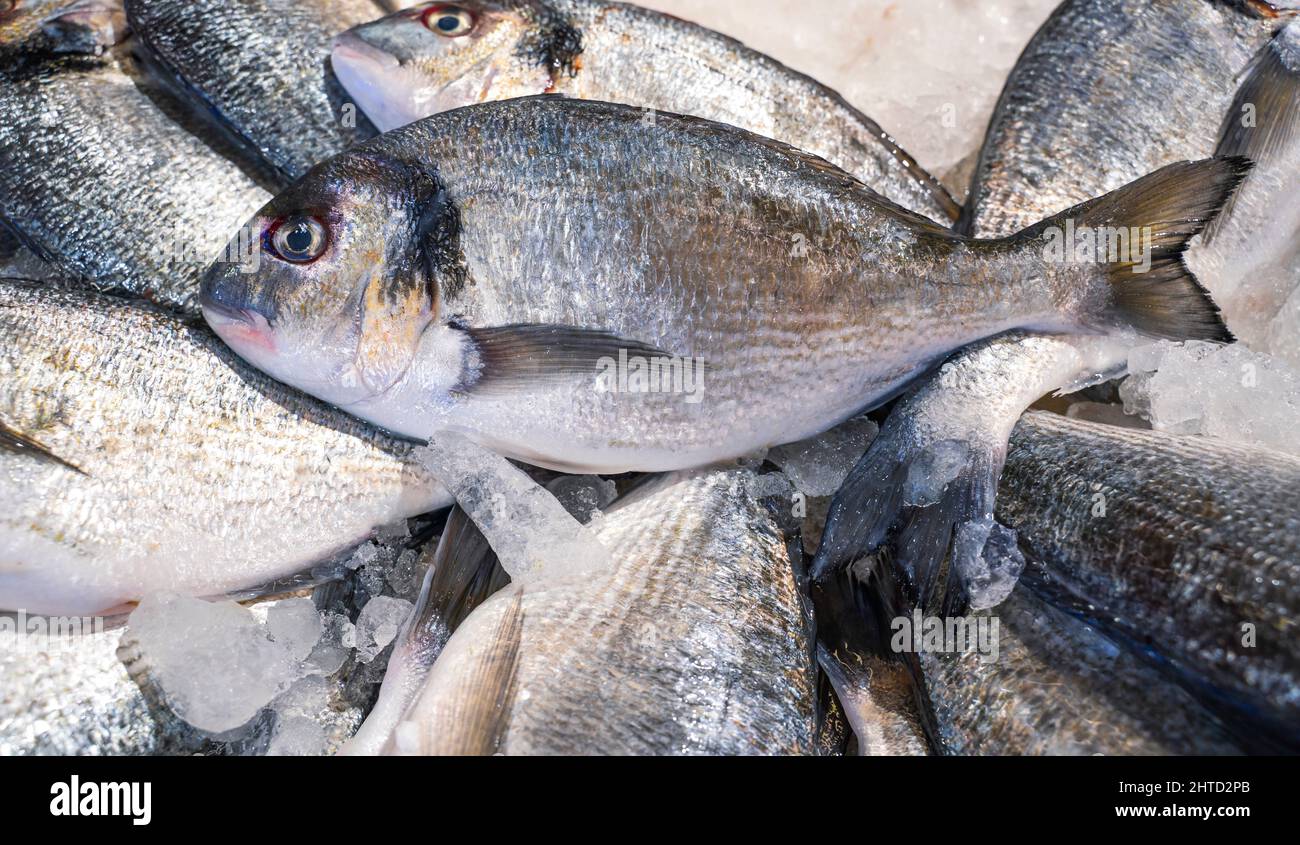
[449, 23]
[299, 239]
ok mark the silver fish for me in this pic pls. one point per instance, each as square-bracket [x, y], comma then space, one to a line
[437, 56]
[504, 270]
[137, 455]
[66, 693]
[696, 641]
[262, 67]
[1057, 138]
[98, 178]
[1058, 688]
[1185, 546]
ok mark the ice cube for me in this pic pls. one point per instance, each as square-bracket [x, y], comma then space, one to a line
[379, 624]
[932, 472]
[819, 465]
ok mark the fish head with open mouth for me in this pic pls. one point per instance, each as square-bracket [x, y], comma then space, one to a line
[439, 56]
[343, 284]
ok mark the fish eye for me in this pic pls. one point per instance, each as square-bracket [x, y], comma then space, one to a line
[447, 21]
[300, 239]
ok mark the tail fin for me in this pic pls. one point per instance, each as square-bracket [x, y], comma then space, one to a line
[1150, 287]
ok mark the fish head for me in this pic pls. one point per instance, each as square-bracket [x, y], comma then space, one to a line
[63, 26]
[439, 56]
[332, 286]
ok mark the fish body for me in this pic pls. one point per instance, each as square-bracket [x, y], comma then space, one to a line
[1186, 546]
[261, 66]
[137, 455]
[69, 695]
[434, 57]
[1059, 688]
[695, 641]
[491, 269]
[1058, 137]
[98, 178]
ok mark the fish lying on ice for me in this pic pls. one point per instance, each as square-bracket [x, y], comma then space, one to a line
[96, 174]
[695, 641]
[66, 693]
[928, 483]
[1187, 547]
[434, 57]
[501, 269]
[262, 67]
[137, 455]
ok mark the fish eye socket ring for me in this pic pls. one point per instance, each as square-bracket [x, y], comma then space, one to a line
[300, 239]
[448, 21]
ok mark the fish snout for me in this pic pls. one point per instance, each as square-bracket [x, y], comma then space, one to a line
[226, 301]
[370, 75]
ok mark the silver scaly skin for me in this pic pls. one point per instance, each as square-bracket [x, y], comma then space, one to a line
[100, 180]
[137, 455]
[1176, 544]
[1058, 687]
[476, 270]
[700, 620]
[1107, 90]
[262, 67]
[73, 696]
[434, 57]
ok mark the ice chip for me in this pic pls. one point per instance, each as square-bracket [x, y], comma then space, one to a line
[214, 663]
[990, 562]
[1226, 392]
[378, 625]
[298, 736]
[583, 496]
[535, 538]
[296, 625]
[819, 465]
[931, 473]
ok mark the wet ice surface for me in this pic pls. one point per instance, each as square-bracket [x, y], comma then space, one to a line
[1227, 392]
[528, 528]
[928, 71]
[819, 465]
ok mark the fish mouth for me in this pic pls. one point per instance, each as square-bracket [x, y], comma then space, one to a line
[240, 328]
[374, 78]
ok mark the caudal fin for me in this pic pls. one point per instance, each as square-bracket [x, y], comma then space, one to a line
[1146, 228]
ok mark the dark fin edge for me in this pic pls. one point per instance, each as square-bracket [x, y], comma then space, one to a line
[1176, 203]
[518, 356]
[14, 441]
[1272, 89]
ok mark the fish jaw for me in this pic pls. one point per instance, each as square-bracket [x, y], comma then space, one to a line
[378, 83]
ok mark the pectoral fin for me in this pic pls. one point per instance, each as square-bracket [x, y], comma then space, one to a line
[507, 358]
[14, 441]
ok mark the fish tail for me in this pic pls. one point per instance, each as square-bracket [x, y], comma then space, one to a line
[1137, 237]
[1264, 118]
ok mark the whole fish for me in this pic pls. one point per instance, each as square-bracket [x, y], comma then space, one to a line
[1058, 687]
[572, 288]
[434, 57]
[66, 693]
[1186, 546]
[262, 68]
[97, 176]
[696, 641]
[137, 455]
[1057, 138]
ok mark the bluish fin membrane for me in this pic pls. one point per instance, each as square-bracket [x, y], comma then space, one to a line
[1264, 116]
[914, 498]
[509, 358]
[1151, 289]
[15, 442]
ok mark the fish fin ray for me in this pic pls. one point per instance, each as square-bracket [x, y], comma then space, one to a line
[518, 356]
[1169, 208]
[15, 442]
[1271, 95]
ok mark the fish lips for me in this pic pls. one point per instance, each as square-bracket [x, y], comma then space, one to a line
[368, 74]
[244, 329]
